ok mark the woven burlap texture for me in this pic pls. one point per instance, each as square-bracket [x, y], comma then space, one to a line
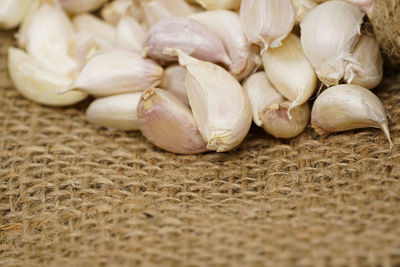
[76, 195]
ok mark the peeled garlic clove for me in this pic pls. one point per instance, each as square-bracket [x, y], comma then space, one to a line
[115, 112]
[112, 12]
[174, 82]
[37, 83]
[80, 6]
[219, 103]
[365, 66]
[261, 94]
[277, 123]
[290, 72]
[114, 72]
[168, 124]
[12, 12]
[346, 107]
[302, 7]
[22, 34]
[188, 35]
[219, 4]
[328, 35]
[267, 22]
[130, 34]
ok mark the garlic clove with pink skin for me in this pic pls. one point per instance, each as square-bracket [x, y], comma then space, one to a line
[174, 82]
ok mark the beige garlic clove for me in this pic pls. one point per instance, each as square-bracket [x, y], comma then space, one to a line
[188, 35]
[22, 34]
[13, 12]
[174, 82]
[366, 6]
[37, 83]
[115, 112]
[219, 103]
[114, 72]
[365, 66]
[302, 7]
[169, 124]
[80, 6]
[329, 33]
[267, 22]
[130, 34]
[113, 11]
[290, 72]
[219, 4]
[346, 107]
[261, 94]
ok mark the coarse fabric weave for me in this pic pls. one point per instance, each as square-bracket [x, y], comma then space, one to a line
[72, 194]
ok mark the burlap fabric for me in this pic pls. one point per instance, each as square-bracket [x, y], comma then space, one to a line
[72, 194]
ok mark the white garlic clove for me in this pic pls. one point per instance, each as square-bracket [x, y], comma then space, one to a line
[188, 35]
[113, 11]
[346, 107]
[267, 22]
[366, 6]
[130, 34]
[290, 72]
[302, 7]
[174, 82]
[22, 34]
[37, 83]
[329, 33]
[114, 72]
[219, 4]
[261, 94]
[169, 124]
[80, 6]
[219, 103]
[12, 12]
[365, 66]
[115, 112]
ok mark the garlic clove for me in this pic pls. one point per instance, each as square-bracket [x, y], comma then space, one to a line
[219, 103]
[290, 72]
[365, 66]
[169, 124]
[115, 112]
[302, 7]
[346, 107]
[113, 11]
[12, 12]
[174, 82]
[267, 22]
[114, 72]
[261, 94]
[130, 34]
[329, 33]
[22, 34]
[37, 83]
[188, 35]
[79, 6]
[366, 6]
[219, 4]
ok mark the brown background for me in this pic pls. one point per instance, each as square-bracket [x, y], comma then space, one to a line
[73, 194]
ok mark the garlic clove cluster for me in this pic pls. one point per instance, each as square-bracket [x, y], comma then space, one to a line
[12, 12]
[80, 6]
[174, 82]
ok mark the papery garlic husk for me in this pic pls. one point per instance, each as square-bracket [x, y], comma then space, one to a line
[174, 82]
[365, 66]
[346, 107]
[114, 72]
[115, 112]
[219, 4]
[290, 72]
[80, 6]
[130, 34]
[37, 83]
[12, 12]
[366, 6]
[219, 103]
[329, 33]
[277, 123]
[302, 7]
[188, 35]
[113, 11]
[261, 94]
[267, 22]
[48, 36]
[22, 34]
[169, 124]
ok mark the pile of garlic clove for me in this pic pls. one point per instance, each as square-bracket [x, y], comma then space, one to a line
[193, 75]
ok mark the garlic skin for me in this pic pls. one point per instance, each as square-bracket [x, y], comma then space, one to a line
[267, 22]
[302, 7]
[329, 33]
[174, 82]
[346, 107]
[219, 103]
[290, 72]
[188, 35]
[115, 112]
[37, 83]
[168, 124]
[113, 11]
[12, 12]
[365, 66]
[114, 72]
[261, 94]
[130, 34]
[80, 6]
[277, 123]
[219, 4]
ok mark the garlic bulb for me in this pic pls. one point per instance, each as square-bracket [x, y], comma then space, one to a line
[174, 82]
[169, 124]
[130, 34]
[114, 72]
[113, 11]
[267, 22]
[365, 66]
[12, 12]
[219, 103]
[80, 6]
[346, 107]
[188, 35]
[115, 112]
[219, 4]
[37, 83]
[302, 7]
[328, 35]
[290, 72]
